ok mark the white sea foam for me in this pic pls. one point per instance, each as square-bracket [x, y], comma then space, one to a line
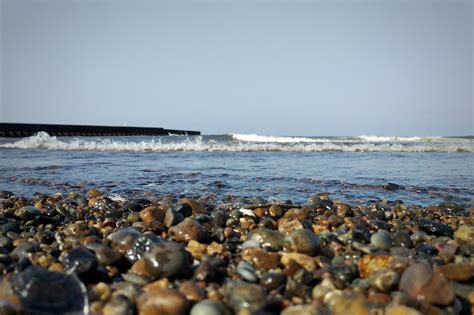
[198, 144]
[275, 139]
[398, 139]
[363, 138]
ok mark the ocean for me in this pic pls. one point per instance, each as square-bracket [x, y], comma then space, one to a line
[352, 169]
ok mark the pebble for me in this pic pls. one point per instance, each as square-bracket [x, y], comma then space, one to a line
[302, 241]
[106, 256]
[465, 233]
[118, 304]
[246, 271]
[450, 207]
[436, 228]
[393, 186]
[402, 239]
[247, 296]
[131, 243]
[250, 244]
[215, 249]
[38, 289]
[361, 234]
[172, 217]
[162, 302]
[356, 303]
[8, 225]
[304, 260]
[268, 239]
[381, 240]
[369, 265]
[28, 213]
[187, 230]
[209, 307]
[385, 281]
[420, 282]
[196, 206]
[275, 211]
[400, 310]
[260, 258]
[319, 291]
[168, 259]
[198, 250]
[273, 280]
[81, 260]
[462, 271]
[288, 227]
[343, 273]
[192, 291]
[306, 309]
[150, 215]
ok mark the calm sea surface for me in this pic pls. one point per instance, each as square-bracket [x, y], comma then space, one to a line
[353, 169]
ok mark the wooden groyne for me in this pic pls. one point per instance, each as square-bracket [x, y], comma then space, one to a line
[10, 130]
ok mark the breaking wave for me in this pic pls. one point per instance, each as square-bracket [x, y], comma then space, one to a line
[276, 139]
[238, 144]
[400, 139]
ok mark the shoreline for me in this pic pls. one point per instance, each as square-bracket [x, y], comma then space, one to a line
[153, 255]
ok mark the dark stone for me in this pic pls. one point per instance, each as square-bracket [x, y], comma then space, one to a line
[360, 234]
[402, 239]
[184, 209]
[231, 244]
[132, 243]
[142, 201]
[6, 194]
[426, 249]
[258, 201]
[393, 186]
[168, 259]
[132, 207]
[326, 204]
[379, 225]
[25, 249]
[467, 249]
[172, 217]
[273, 280]
[81, 260]
[450, 207]
[45, 292]
[219, 218]
[436, 228]
[376, 214]
[9, 225]
[6, 242]
[209, 270]
[344, 273]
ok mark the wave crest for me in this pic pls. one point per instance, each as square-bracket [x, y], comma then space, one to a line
[398, 138]
[275, 139]
[207, 144]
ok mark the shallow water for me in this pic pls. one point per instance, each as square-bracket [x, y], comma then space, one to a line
[432, 169]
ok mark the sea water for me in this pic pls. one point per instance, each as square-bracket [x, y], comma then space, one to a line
[352, 169]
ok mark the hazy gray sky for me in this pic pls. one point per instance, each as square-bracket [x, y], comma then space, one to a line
[271, 67]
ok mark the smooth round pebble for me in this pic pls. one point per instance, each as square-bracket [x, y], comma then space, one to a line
[247, 271]
[381, 240]
[209, 307]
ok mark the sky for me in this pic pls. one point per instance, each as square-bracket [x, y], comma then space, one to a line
[401, 67]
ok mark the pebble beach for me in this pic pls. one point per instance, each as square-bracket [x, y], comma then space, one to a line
[236, 157]
[89, 253]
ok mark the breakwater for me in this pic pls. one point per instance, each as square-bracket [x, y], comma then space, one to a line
[12, 130]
